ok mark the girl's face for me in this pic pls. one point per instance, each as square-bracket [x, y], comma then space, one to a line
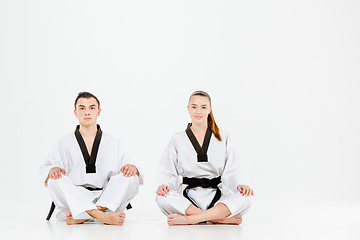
[199, 108]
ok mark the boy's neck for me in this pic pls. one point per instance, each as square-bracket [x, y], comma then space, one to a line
[88, 131]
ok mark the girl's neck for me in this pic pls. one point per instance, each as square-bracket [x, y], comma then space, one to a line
[199, 128]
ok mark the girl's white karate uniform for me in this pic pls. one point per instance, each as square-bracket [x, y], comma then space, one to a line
[180, 160]
[69, 192]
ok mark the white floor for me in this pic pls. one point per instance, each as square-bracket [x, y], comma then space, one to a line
[262, 222]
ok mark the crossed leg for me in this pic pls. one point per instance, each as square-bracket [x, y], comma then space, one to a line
[100, 215]
[194, 215]
[66, 195]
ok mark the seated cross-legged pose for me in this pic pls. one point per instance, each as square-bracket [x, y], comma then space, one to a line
[89, 173]
[200, 175]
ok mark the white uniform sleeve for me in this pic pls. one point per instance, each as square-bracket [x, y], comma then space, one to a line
[56, 158]
[234, 172]
[126, 158]
[167, 172]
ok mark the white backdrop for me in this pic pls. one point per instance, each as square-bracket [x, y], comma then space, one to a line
[283, 77]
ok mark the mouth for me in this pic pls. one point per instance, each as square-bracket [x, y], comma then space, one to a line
[198, 117]
[87, 118]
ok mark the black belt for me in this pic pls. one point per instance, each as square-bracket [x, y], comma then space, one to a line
[204, 183]
[52, 208]
[93, 189]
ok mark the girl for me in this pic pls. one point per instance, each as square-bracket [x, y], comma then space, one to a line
[201, 177]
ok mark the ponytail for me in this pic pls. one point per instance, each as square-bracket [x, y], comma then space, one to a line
[213, 126]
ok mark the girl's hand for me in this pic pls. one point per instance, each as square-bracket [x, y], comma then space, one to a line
[163, 190]
[245, 190]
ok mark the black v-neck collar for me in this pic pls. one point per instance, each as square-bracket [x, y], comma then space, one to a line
[89, 160]
[201, 151]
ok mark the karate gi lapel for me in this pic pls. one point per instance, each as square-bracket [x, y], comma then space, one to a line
[89, 160]
[201, 151]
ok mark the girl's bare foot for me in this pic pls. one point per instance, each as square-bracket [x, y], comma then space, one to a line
[237, 220]
[70, 220]
[178, 219]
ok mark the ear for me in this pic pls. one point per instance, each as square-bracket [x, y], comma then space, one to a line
[75, 112]
[99, 111]
[188, 108]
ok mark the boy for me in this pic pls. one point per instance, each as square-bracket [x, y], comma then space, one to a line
[89, 173]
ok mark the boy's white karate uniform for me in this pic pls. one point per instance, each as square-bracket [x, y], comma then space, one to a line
[180, 160]
[69, 192]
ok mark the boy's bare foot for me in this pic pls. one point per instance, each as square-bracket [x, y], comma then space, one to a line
[237, 220]
[70, 220]
[113, 218]
[102, 208]
[107, 218]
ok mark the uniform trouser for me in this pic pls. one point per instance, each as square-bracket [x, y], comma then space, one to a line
[115, 196]
[174, 202]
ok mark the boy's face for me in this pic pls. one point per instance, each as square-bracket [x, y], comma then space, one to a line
[87, 111]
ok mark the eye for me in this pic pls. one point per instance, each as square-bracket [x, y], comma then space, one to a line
[193, 107]
[204, 107]
[92, 108]
[81, 108]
